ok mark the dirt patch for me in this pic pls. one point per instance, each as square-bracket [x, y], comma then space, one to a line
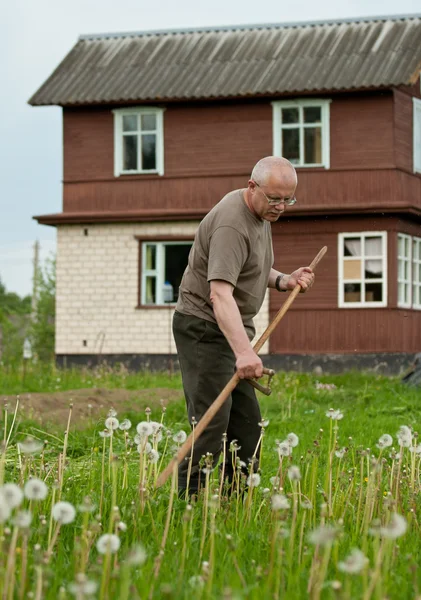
[89, 405]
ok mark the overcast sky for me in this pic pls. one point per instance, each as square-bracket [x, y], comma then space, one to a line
[36, 35]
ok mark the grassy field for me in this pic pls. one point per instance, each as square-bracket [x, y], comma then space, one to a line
[329, 512]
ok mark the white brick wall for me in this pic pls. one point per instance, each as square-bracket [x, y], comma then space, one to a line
[97, 279]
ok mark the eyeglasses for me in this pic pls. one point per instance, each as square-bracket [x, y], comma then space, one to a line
[275, 201]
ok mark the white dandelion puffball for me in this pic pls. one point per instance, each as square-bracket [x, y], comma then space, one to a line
[30, 446]
[112, 412]
[111, 423]
[180, 437]
[284, 449]
[108, 543]
[395, 528]
[63, 512]
[280, 502]
[22, 519]
[323, 535]
[105, 434]
[333, 414]
[156, 427]
[83, 586]
[354, 563]
[253, 480]
[385, 441]
[144, 428]
[264, 423]
[294, 473]
[416, 449]
[153, 456]
[12, 494]
[340, 453]
[142, 447]
[125, 425]
[121, 526]
[137, 555]
[404, 436]
[274, 481]
[292, 440]
[35, 489]
[5, 509]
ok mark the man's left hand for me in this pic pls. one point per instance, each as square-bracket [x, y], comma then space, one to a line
[304, 276]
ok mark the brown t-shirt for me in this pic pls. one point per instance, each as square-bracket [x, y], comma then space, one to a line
[234, 245]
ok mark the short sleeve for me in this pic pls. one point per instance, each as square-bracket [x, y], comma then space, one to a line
[228, 253]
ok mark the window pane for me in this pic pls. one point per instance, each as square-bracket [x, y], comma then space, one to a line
[407, 273]
[129, 122]
[352, 269]
[373, 269]
[401, 269]
[150, 291]
[373, 292]
[129, 152]
[352, 247]
[148, 122]
[148, 152]
[291, 145]
[290, 115]
[352, 292]
[373, 246]
[150, 262]
[312, 145]
[176, 258]
[312, 114]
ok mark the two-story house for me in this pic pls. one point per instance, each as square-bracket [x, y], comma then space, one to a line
[158, 126]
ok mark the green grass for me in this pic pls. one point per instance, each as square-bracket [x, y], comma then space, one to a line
[267, 555]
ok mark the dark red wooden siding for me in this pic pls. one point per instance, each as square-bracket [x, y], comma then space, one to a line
[314, 323]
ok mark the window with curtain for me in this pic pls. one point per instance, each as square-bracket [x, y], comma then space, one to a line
[301, 132]
[162, 267]
[362, 269]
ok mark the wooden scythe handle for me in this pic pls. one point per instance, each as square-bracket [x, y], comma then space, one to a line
[213, 409]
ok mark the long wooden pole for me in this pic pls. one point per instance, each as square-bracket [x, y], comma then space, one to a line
[214, 408]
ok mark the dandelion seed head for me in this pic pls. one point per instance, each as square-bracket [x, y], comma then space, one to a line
[82, 586]
[385, 441]
[106, 433]
[108, 543]
[121, 526]
[323, 535]
[125, 425]
[340, 453]
[12, 494]
[279, 502]
[274, 481]
[180, 437]
[196, 581]
[294, 473]
[30, 446]
[153, 456]
[35, 489]
[284, 449]
[264, 423]
[396, 527]
[137, 555]
[146, 448]
[404, 436]
[22, 519]
[306, 504]
[63, 512]
[292, 440]
[144, 428]
[111, 423]
[112, 412]
[253, 480]
[354, 563]
[5, 509]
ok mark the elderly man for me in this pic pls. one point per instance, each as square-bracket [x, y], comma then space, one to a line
[223, 288]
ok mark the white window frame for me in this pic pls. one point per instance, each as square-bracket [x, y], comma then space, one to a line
[118, 139]
[159, 272]
[325, 126]
[403, 282]
[416, 128]
[342, 258]
[416, 279]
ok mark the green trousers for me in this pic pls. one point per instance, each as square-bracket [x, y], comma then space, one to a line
[207, 363]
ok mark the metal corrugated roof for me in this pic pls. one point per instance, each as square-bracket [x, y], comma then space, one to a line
[243, 61]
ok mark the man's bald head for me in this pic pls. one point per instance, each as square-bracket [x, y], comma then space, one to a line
[273, 167]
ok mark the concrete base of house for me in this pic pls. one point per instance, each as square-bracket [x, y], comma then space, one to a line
[384, 363]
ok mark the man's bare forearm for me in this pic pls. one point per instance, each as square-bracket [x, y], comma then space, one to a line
[283, 282]
[229, 320]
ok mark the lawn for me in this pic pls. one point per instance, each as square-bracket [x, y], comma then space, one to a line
[331, 511]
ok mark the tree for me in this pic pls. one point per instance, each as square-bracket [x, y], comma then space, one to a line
[43, 325]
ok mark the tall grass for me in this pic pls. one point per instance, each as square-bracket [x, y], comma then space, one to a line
[331, 509]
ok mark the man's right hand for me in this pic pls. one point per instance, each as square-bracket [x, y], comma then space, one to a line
[249, 365]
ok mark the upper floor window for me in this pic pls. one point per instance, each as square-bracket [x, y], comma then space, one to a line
[138, 141]
[409, 271]
[362, 269]
[162, 265]
[301, 132]
[417, 135]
